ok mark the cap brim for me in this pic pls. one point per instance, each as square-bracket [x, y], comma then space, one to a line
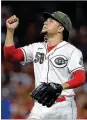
[48, 15]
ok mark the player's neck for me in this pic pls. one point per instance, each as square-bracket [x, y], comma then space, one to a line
[54, 40]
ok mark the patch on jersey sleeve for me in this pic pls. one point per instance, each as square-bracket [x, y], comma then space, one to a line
[59, 61]
[81, 62]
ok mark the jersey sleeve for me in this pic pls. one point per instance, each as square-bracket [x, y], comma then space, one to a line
[28, 54]
[75, 61]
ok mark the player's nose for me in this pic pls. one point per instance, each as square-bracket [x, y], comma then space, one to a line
[46, 22]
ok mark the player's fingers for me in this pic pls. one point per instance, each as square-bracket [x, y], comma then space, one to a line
[12, 19]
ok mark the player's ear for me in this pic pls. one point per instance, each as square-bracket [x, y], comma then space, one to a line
[60, 29]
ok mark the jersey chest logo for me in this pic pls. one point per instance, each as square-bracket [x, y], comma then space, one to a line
[59, 61]
[39, 57]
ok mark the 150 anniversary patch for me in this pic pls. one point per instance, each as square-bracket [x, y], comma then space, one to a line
[59, 61]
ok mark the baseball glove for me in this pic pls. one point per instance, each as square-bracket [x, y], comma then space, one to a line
[46, 93]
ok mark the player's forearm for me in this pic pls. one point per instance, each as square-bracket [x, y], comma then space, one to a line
[77, 80]
[9, 38]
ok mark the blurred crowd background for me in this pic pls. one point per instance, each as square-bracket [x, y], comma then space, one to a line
[17, 81]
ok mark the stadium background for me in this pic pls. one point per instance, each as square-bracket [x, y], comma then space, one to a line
[18, 81]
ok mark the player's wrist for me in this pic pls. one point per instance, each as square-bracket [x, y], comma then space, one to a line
[65, 86]
[11, 31]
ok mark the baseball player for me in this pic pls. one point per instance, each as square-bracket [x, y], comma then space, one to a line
[58, 67]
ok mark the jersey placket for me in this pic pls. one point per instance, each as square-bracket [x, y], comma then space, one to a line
[48, 54]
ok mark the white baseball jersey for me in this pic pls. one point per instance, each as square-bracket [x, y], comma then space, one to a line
[54, 66]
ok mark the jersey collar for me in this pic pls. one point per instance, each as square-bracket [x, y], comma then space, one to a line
[61, 44]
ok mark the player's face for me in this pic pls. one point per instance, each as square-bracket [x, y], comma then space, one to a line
[51, 26]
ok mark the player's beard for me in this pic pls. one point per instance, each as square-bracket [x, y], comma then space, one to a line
[44, 34]
[43, 31]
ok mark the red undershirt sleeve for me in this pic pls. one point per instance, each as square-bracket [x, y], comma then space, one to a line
[13, 54]
[78, 79]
